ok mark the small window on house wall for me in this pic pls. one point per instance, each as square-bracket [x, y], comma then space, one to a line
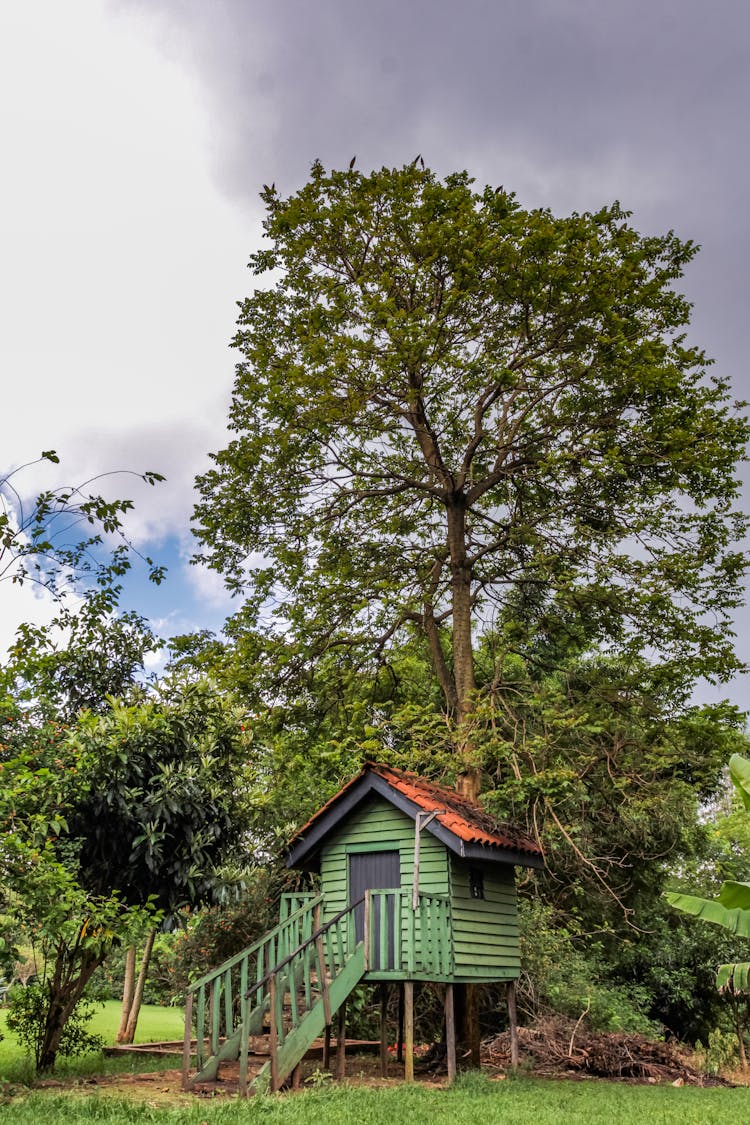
[476, 882]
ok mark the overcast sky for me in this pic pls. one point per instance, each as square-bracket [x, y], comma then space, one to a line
[136, 135]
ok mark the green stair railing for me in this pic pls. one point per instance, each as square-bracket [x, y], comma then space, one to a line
[302, 993]
[219, 1002]
[298, 976]
[292, 901]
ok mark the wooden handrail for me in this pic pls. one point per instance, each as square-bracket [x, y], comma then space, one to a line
[300, 948]
[207, 978]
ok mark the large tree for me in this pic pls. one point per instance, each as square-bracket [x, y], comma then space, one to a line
[451, 412]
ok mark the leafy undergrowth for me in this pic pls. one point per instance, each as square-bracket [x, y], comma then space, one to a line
[473, 1099]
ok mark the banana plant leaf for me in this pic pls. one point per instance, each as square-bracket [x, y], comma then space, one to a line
[736, 920]
[732, 908]
[735, 895]
[734, 978]
[739, 770]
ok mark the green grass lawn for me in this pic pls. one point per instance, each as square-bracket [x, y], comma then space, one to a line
[155, 1024]
[475, 1102]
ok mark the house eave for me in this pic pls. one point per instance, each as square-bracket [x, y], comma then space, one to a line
[304, 852]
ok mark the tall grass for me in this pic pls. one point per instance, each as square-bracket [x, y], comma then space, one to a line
[479, 1102]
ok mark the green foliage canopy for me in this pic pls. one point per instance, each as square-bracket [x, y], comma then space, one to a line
[112, 825]
[449, 408]
[163, 817]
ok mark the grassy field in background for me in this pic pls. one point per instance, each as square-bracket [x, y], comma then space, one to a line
[154, 1024]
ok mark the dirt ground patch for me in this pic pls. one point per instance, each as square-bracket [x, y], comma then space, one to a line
[164, 1088]
[552, 1049]
[158, 1088]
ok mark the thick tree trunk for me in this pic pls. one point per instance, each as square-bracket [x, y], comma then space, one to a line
[739, 1027]
[128, 989]
[468, 780]
[50, 1045]
[463, 654]
[463, 648]
[459, 685]
[468, 1034]
[135, 1007]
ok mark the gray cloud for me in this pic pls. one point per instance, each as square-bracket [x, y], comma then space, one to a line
[569, 102]
[558, 81]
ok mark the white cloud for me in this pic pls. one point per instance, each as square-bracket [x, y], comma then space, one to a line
[19, 604]
[120, 262]
[209, 588]
[121, 265]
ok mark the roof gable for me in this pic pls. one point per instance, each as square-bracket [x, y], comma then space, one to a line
[463, 826]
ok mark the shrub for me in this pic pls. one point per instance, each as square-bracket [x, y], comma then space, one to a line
[721, 1053]
[214, 934]
[565, 972]
[26, 1018]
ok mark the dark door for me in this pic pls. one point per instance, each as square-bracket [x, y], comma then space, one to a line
[368, 871]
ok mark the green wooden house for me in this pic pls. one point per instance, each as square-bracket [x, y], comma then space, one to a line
[416, 883]
[385, 827]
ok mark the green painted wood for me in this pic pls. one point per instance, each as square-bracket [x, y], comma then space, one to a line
[411, 941]
[491, 974]
[279, 1010]
[293, 901]
[226, 986]
[485, 931]
[299, 1039]
[243, 1052]
[452, 937]
[215, 1013]
[201, 1025]
[228, 1051]
[463, 938]
[340, 931]
[307, 978]
[228, 1006]
[243, 989]
[293, 1000]
[377, 825]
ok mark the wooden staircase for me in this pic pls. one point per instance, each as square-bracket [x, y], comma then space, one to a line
[286, 987]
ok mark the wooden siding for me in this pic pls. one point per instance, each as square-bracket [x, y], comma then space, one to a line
[485, 930]
[377, 824]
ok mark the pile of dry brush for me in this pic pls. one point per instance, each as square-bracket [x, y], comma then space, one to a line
[555, 1045]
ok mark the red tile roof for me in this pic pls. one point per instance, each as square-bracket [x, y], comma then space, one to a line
[463, 818]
